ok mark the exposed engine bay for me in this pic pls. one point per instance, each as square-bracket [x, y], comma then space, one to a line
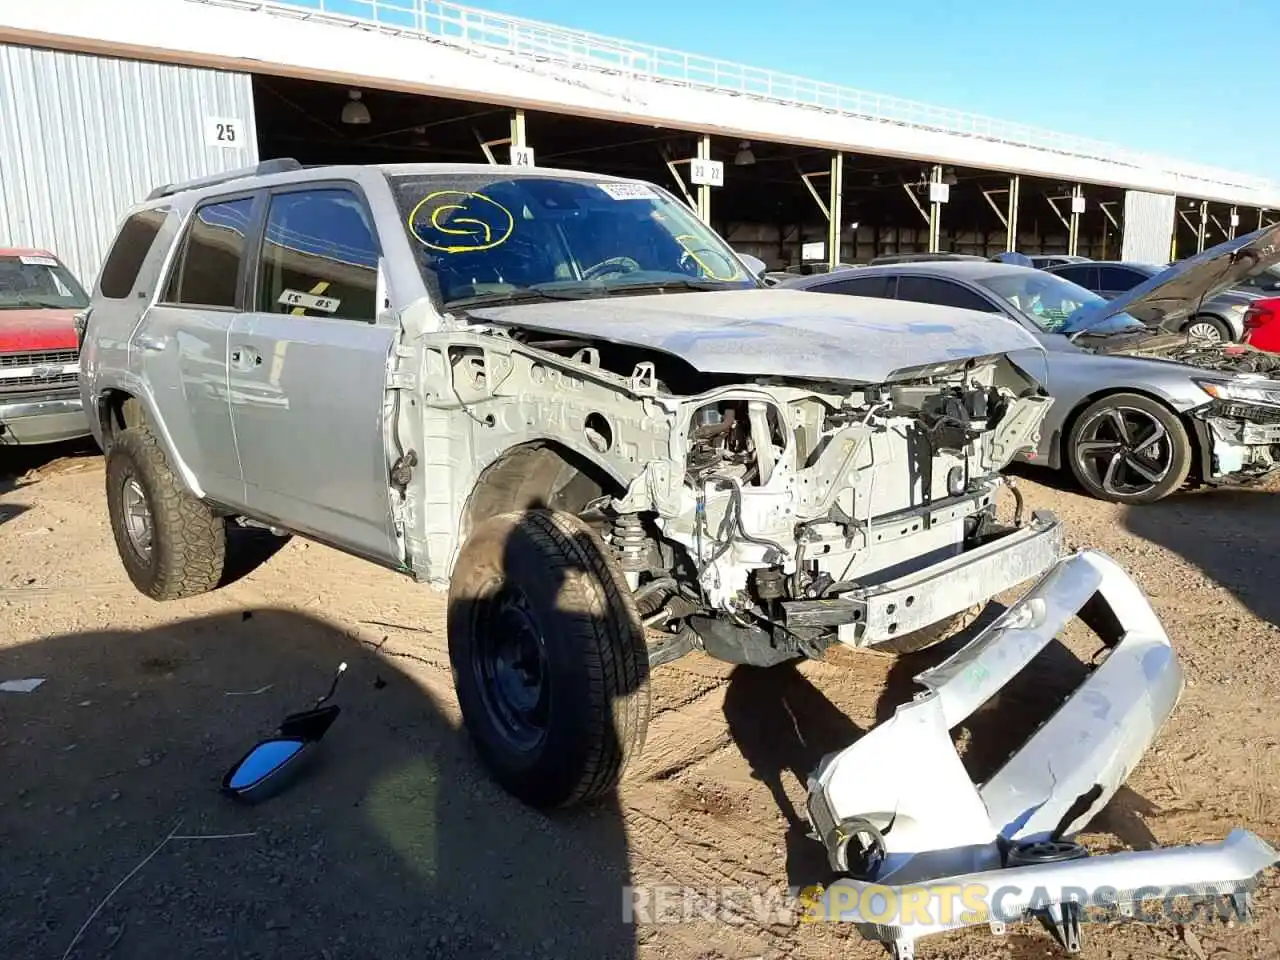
[1226, 357]
[788, 499]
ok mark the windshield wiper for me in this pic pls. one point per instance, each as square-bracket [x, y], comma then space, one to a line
[527, 295]
[679, 283]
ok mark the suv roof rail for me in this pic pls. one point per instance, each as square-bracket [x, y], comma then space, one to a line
[281, 165]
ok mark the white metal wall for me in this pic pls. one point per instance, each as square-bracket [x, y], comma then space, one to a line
[83, 137]
[1148, 226]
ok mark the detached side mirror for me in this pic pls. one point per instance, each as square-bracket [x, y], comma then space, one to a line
[274, 763]
[755, 266]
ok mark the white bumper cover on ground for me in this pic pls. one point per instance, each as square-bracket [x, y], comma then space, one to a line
[898, 812]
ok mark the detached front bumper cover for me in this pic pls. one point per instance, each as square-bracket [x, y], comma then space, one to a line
[927, 829]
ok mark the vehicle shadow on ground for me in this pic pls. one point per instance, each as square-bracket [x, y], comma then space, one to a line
[9, 511]
[783, 725]
[17, 463]
[1228, 534]
[395, 844]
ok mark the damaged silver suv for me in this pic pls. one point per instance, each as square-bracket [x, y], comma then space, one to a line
[564, 397]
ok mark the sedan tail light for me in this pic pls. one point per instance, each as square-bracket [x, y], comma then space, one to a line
[1262, 313]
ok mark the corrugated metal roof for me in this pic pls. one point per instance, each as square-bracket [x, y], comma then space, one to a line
[86, 137]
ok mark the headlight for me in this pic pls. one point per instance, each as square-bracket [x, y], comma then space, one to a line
[1242, 391]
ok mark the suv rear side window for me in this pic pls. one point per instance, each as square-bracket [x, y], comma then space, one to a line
[319, 256]
[1119, 278]
[942, 292]
[207, 270]
[133, 243]
[1085, 276]
[879, 287]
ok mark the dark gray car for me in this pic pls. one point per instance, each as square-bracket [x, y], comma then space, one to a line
[1136, 410]
[1219, 317]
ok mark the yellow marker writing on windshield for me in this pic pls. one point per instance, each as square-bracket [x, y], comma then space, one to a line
[487, 224]
[685, 239]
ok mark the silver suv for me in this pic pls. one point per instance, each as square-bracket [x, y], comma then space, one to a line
[566, 399]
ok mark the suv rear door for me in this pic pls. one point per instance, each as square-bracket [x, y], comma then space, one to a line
[180, 344]
[307, 371]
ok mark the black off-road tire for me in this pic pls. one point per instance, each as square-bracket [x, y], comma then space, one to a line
[1179, 440]
[188, 542]
[931, 635]
[596, 662]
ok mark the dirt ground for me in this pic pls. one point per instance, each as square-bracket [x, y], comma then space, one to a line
[397, 845]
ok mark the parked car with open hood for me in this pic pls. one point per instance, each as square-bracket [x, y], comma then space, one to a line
[564, 397]
[1137, 411]
[1218, 316]
[39, 369]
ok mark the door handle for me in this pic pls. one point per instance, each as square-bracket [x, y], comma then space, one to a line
[245, 358]
[148, 342]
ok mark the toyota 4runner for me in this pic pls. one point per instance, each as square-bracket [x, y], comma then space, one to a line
[564, 397]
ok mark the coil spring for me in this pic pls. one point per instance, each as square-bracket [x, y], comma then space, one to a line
[631, 542]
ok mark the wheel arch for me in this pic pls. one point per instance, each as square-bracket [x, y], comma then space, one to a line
[1089, 398]
[126, 405]
[1069, 422]
[544, 472]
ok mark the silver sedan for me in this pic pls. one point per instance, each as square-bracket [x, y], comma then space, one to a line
[1138, 412]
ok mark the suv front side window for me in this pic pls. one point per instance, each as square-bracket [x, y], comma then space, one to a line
[505, 237]
[206, 272]
[319, 256]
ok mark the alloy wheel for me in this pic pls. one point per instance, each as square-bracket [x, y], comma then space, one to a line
[1124, 451]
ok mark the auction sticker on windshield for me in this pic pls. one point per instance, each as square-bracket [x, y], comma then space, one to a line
[38, 261]
[628, 191]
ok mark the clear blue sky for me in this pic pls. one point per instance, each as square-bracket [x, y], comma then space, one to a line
[1193, 79]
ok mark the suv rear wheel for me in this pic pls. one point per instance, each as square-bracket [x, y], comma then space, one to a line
[172, 545]
[549, 657]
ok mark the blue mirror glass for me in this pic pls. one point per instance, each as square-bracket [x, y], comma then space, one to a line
[264, 760]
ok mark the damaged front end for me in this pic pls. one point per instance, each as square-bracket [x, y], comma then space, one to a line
[928, 850]
[1240, 428]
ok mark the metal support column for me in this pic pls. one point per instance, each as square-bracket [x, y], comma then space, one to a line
[517, 130]
[835, 211]
[1233, 223]
[1202, 234]
[516, 144]
[1262, 212]
[704, 189]
[1011, 224]
[935, 209]
[1073, 226]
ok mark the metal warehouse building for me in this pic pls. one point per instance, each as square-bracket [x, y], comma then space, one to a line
[101, 102]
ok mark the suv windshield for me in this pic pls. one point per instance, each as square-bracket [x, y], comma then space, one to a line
[38, 281]
[1056, 305]
[503, 237]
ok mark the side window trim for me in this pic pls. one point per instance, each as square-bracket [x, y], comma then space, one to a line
[253, 271]
[177, 255]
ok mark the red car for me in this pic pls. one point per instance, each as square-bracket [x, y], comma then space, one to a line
[39, 354]
[1262, 325]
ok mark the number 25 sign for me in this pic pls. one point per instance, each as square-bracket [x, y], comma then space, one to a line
[225, 132]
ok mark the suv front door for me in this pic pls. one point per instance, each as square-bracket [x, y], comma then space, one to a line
[307, 370]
